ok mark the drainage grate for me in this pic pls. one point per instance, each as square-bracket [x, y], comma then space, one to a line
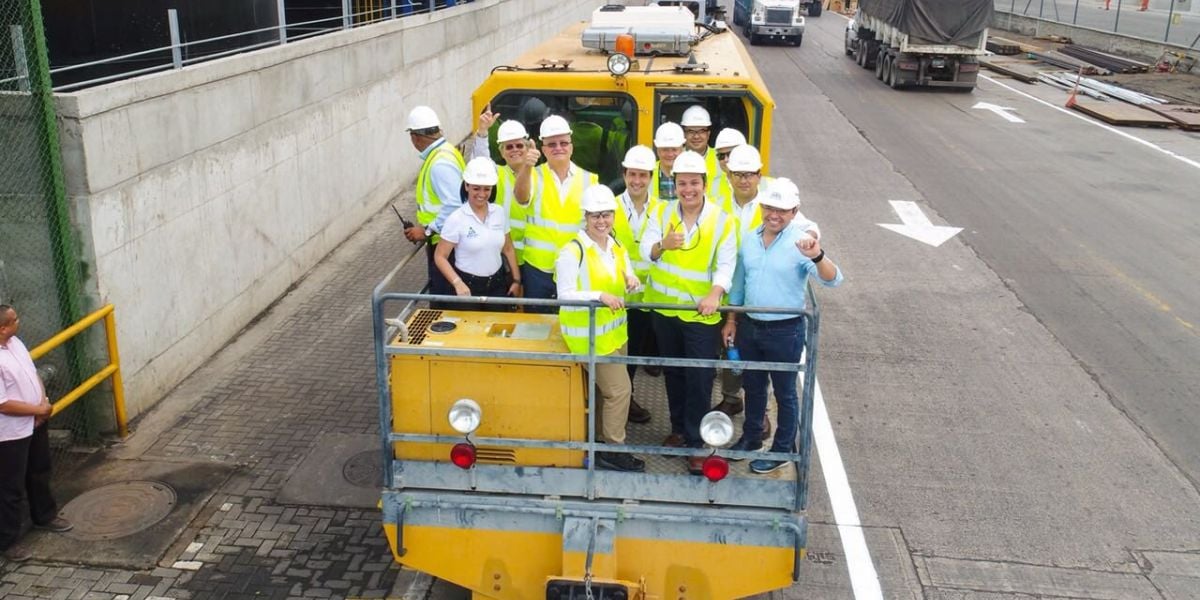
[119, 509]
[364, 470]
[418, 325]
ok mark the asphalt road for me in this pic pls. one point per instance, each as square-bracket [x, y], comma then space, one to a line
[1018, 409]
[1151, 24]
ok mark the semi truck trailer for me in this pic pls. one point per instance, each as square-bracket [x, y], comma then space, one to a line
[934, 43]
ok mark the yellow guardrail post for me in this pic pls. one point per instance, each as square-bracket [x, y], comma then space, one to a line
[112, 369]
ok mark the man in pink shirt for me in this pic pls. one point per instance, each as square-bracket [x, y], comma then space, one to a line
[24, 444]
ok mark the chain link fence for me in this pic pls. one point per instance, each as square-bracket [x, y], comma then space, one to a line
[1172, 21]
[40, 268]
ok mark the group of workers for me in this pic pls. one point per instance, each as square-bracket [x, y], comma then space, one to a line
[696, 226]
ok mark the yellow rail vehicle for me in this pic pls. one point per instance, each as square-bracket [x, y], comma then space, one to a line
[486, 436]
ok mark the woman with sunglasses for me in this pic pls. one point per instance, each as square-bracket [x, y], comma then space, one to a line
[477, 234]
[692, 247]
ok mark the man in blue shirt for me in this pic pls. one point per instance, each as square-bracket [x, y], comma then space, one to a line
[439, 189]
[774, 264]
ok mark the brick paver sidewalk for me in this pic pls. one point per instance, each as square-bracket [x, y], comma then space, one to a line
[304, 368]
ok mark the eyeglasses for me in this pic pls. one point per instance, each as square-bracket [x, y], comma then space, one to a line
[722, 156]
[695, 130]
[556, 144]
[515, 146]
[743, 174]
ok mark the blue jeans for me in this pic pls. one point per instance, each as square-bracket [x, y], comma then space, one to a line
[771, 341]
[538, 284]
[689, 389]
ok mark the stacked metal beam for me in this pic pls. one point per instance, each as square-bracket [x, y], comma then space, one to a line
[1116, 64]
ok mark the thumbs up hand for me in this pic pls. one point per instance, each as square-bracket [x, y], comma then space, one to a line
[673, 240]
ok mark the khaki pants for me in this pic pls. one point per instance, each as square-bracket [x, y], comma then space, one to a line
[731, 387]
[613, 391]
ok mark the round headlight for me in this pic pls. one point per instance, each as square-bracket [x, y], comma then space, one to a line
[465, 416]
[618, 64]
[716, 429]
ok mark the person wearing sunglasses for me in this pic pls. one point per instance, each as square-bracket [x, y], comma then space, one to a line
[668, 143]
[692, 247]
[720, 190]
[636, 207]
[513, 143]
[594, 266]
[775, 262]
[553, 191]
[697, 127]
[438, 183]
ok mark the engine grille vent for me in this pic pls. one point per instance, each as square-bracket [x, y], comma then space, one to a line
[779, 16]
[495, 455]
[418, 326]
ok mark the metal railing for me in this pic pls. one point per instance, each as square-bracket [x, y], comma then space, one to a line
[112, 369]
[178, 53]
[1178, 23]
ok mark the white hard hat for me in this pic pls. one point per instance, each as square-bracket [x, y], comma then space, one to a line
[669, 135]
[554, 125]
[743, 159]
[598, 198]
[639, 157]
[422, 117]
[728, 138]
[511, 130]
[480, 171]
[782, 194]
[690, 162]
[696, 116]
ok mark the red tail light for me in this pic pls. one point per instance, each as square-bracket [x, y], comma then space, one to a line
[463, 455]
[715, 468]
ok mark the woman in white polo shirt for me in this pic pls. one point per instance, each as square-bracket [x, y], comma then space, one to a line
[478, 236]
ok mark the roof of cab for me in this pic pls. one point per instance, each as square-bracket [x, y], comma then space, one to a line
[722, 52]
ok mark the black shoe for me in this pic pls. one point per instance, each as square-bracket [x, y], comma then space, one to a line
[652, 370]
[637, 414]
[618, 461]
[743, 445]
[730, 408]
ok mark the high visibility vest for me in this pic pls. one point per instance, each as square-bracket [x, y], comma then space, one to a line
[720, 191]
[684, 275]
[730, 205]
[712, 166]
[611, 332]
[551, 221]
[428, 202]
[507, 198]
[629, 238]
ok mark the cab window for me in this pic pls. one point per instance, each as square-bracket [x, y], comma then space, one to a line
[735, 109]
[602, 126]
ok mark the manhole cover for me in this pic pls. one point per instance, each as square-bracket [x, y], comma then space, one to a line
[364, 469]
[119, 509]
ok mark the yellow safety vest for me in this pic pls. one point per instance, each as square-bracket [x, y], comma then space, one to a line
[428, 202]
[507, 198]
[720, 191]
[684, 275]
[712, 166]
[630, 239]
[551, 221]
[611, 332]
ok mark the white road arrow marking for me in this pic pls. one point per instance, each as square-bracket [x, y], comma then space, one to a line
[1000, 110]
[917, 226]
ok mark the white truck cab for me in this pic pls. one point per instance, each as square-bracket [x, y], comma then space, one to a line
[770, 20]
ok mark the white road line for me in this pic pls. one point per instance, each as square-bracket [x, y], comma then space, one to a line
[1086, 119]
[863, 577]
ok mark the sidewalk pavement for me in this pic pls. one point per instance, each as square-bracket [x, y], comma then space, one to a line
[302, 369]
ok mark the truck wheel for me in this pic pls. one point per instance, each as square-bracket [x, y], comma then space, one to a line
[814, 9]
[894, 76]
[888, 73]
[880, 62]
[799, 39]
[754, 39]
[849, 50]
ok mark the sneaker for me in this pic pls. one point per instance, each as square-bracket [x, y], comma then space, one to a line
[18, 553]
[637, 414]
[58, 525]
[744, 445]
[766, 466]
[618, 461]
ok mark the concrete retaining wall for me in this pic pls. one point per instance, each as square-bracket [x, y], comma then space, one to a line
[1137, 48]
[203, 194]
